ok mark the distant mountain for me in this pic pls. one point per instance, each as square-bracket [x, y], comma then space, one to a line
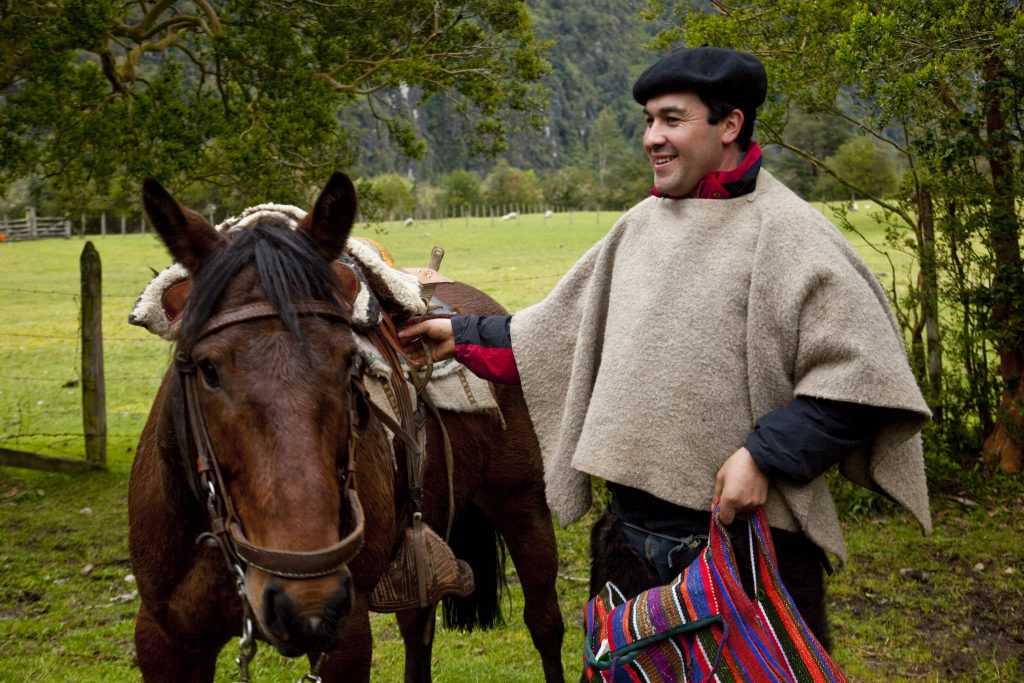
[597, 53]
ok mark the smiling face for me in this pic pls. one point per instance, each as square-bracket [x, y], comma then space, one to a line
[683, 147]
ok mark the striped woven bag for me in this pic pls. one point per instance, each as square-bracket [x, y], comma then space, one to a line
[704, 627]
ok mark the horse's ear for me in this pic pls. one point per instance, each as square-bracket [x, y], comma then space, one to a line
[329, 222]
[350, 283]
[174, 299]
[188, 236]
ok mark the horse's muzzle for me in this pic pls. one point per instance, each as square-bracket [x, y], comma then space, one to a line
[292, 630]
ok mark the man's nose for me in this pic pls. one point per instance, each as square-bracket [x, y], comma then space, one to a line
[653, 136]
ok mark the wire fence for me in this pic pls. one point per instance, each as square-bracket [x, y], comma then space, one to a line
[41, 380]
[41, 405]
[103, 223]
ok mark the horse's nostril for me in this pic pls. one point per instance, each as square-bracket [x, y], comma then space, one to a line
[280, 614]
[294, 634]
[337, 608]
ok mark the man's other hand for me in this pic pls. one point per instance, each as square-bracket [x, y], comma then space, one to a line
[740, 486]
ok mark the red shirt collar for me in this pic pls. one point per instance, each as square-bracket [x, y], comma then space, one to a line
[716, 185]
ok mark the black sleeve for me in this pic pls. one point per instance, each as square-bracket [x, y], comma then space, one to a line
[490, 331]
[804, 438]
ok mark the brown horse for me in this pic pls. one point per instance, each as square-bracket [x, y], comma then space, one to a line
[251, 450]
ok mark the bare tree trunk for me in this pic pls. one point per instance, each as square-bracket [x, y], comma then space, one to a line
[928, 281]
[1007, 441]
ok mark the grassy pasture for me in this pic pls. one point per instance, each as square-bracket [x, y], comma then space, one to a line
[904, 608]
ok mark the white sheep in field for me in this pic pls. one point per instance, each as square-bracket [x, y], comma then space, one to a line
[408, 222]
[549, 213]
[510, 216]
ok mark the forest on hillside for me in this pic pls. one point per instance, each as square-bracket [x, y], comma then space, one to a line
[560, 130]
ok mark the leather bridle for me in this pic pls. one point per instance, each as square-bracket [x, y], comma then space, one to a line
[207, 480]
[225, 525]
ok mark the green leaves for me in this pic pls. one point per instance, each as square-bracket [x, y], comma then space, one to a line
[246, 94]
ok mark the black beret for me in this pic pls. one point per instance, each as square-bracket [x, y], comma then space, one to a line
[735, 77]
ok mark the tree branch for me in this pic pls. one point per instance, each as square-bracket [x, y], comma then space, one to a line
[810, 157]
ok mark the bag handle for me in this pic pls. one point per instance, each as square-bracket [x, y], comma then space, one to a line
[761, 544]
[627, 653]
[722, 561]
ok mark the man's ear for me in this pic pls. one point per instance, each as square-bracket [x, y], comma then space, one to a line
[733, 124]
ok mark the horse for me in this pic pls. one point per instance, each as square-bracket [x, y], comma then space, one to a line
[260, 450]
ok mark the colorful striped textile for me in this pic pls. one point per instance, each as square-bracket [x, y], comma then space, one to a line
[704, 627]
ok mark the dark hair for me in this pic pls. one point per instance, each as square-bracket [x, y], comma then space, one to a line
[718, 109]
[289, 267]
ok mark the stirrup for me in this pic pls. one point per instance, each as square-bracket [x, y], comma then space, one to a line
[423, 570]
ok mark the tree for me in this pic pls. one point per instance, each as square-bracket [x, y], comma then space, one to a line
[506, 184]
[429, 199]
[240, 93]
[821, 135]
[629, 180]
[865, 164]
[461, 188]
[938, 81]
[606, 145]
[597, 55]
[571, 187]
[393, 194]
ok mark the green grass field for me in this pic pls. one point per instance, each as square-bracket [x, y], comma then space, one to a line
[905, 608]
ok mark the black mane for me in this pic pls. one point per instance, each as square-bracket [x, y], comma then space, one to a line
[288, 266]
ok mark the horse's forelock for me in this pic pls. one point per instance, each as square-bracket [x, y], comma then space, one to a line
[288, 267]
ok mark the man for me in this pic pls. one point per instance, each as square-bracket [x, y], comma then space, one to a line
[722, 341]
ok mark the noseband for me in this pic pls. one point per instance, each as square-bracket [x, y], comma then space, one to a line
[226, 527]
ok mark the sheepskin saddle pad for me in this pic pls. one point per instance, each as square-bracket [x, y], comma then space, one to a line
[381, 287]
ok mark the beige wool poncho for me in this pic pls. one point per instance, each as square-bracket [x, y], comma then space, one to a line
[650, 362]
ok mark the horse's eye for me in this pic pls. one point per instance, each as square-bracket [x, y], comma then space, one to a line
[210, 375]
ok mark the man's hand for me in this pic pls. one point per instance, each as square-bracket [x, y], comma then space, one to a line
[740, 486]
[435, 333]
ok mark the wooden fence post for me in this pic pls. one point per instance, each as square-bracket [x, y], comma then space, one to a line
[30, 219]
[94, 401]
